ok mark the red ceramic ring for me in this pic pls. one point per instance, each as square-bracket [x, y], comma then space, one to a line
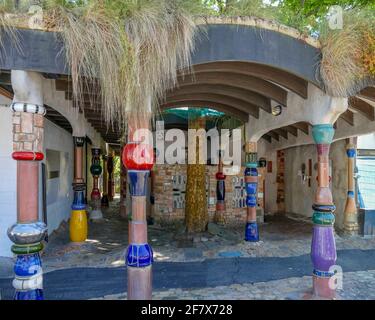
[27, 156]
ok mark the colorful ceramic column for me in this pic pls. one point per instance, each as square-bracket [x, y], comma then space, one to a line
[78, 219]
[350, 213]
[110, 177]
[28, 233]
[220, 193]
[323, 247]
[251, 180]
[96, 171]
[138, 160]
[105, 200]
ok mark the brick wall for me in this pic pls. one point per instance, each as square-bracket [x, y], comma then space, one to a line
[28, 132]
[166, 210]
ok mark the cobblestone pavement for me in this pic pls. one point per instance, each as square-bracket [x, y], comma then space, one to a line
[356, 286]
[107, 241]
[282, 237]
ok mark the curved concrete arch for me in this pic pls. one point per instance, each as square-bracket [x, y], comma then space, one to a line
[225, 42]
[42, 51]
[227, 90]
[257, 85]
[57, 101]
[279, 76]
[219, 98]
[243, 116]
[319, 108]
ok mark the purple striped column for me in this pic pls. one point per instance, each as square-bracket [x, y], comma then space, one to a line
[323, 246]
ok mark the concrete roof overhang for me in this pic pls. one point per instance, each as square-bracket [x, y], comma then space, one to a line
[237, 69]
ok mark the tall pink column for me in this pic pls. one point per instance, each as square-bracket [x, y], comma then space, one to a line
[138, 159]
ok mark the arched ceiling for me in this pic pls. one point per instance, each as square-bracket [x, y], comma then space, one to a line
[236, 87]
[237, 69]
[283, 78]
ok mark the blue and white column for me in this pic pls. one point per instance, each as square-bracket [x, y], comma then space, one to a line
[251, 180]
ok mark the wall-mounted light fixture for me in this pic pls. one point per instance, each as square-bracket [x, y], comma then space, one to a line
[276, 110]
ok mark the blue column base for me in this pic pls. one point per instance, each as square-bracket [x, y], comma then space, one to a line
[36, 294]
[251, 232]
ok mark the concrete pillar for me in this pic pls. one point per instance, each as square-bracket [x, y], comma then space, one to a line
[138, 159]
[78, 219]
[323, 247]
[251, 180]
[105, 200]
[96, 171]
[28, 233]
[220, 193]
[350, 213]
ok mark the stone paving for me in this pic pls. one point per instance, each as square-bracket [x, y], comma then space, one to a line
[282, 236]
[356, 286]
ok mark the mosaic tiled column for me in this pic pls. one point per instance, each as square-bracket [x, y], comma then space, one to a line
[350, 212]
[138, 159]
[96, 171]
[78, 219]
[323, 247]
[105, 200]
[110, 187]
[220, 193]
[28, 233]
[251, 180]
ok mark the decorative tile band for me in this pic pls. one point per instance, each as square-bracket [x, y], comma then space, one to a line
[323, 274]
[351, 153]
[323, 218]
[324, 208]
[28, 107]
[79, 141]
[29, 295]
[27, 249]
[79, 200]
[139, 255]
[27, 156]
[137, 156]
[27, 233]
[323, 133]
[251, 232]
[28, 265]
[28, 284]
[138, 182]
